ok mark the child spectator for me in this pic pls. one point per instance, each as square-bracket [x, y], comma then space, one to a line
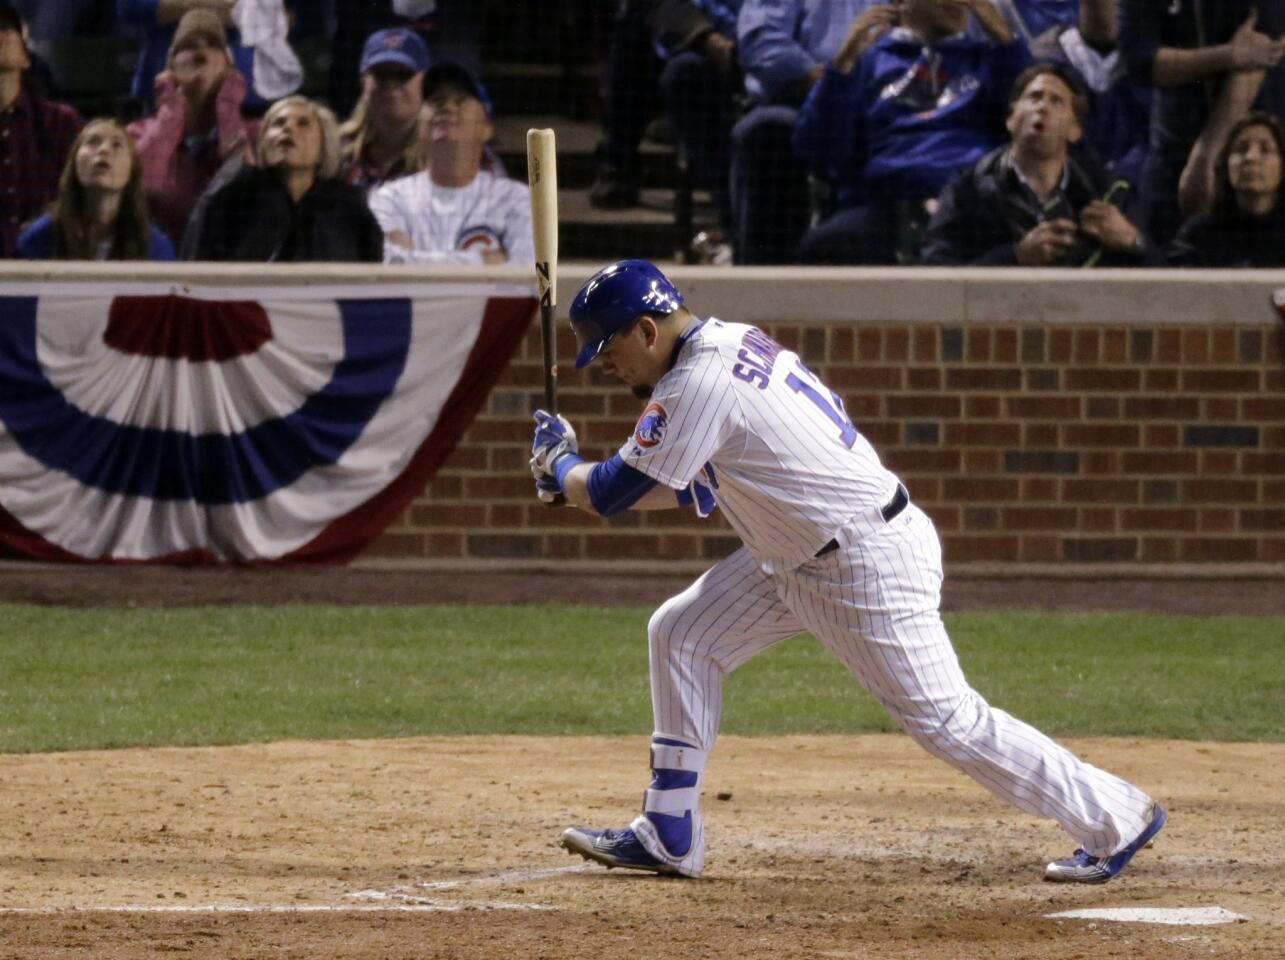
[783, 46]
[293, 208]
[908, 102]
[1247, 225]
[101, 211]
[1034, 203]
[35, 135]
[455, 211]
[379, 141]
[1207, 62]
[197, 126]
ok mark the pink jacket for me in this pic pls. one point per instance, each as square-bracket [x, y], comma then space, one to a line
[173, 176]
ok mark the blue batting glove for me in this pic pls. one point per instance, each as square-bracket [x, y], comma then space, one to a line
[554, 438]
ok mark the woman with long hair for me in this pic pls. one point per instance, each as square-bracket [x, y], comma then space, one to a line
[292, 207]
[101, 210]
[1247, 225]
[380, 140]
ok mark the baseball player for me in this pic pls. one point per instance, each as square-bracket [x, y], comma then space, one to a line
[832, 545]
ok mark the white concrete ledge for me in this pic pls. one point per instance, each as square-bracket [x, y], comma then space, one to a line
[1239, 298]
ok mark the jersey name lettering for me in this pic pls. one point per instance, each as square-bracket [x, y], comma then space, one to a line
[757, 355]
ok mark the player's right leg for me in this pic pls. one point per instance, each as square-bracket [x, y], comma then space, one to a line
[731, 613]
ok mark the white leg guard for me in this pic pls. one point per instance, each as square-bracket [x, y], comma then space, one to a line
[670, 827]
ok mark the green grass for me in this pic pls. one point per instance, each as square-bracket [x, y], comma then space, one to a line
[79, 679]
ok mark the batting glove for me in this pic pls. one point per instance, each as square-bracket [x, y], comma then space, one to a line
[547, 488]
[554, 438]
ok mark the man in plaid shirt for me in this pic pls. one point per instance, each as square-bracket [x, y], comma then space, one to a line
[35, 135]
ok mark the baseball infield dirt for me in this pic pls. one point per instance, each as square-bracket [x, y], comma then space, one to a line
[860, 847]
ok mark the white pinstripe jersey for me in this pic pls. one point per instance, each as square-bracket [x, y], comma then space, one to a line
[744, 415]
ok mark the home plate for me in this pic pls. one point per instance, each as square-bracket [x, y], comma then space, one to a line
[1178, 916]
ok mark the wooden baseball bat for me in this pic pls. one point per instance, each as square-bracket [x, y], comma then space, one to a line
[542, 177]
[542, 174]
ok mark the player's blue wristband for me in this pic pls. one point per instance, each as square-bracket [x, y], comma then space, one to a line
[562, 466]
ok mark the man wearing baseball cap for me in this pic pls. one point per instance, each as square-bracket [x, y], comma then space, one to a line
[455, 210]
[35, 135]
[379, 139]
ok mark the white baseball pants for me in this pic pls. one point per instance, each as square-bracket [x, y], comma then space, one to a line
[874, 602]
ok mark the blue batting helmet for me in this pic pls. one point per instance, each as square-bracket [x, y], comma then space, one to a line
[613, 298]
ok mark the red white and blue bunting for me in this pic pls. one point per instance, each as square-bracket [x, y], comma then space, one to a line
[142, 422]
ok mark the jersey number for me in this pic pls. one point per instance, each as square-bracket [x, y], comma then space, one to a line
[834, 411]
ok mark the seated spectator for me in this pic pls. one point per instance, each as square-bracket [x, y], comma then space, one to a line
[101, 212]
[783, 46]
[908, 102]
[35, 135]
[684, 53]
[1033, 203]
[197, 126]
[1119, 109]
[455, 211]
[1247, 225]
[293, 207]
[1208, 63]
[379, 141]
[155, 20]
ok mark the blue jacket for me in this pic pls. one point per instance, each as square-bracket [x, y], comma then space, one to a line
[1030, 18]
[37, 242]
[779, 41]
[908, 116]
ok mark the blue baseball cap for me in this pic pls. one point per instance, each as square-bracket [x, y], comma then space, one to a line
[450, 74]
[395, 45]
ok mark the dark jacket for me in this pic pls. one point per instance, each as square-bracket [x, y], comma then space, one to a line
[987, 209]
[253, 219]
[1234, 239]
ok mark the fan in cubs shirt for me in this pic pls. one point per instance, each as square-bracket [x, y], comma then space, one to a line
[454, 211]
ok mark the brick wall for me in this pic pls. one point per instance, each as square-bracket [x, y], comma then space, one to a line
[1082, 441]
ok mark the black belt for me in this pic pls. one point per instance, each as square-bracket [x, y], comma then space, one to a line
[899, 501]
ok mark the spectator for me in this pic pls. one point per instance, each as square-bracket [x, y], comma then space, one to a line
[449, 28]
[1208, 63]
[909, 101]
[1030, 18]
[783, 46]
[293, 207]
[35, 135]
[155, 20]
[1033, 203]
[197, 126]
[455, 211]
[681, 52]
[1247, 225]
[101, 212]
[379, 141]
[1120, 110]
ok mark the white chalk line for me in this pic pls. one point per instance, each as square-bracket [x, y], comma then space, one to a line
[404, 898]
[426, 906]
[509, 876]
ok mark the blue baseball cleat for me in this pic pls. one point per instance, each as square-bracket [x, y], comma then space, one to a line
[1083, 868]
[613, 848]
